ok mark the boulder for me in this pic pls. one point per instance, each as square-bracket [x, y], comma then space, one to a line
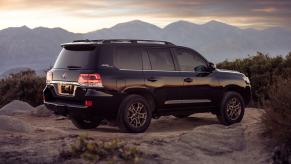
[9, 123]
[16, 107]
[41, 111]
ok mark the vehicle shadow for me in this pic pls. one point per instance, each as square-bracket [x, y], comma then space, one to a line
[167, 124]
[179, 124]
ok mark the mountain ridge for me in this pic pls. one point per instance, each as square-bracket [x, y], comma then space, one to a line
[137, 20]
[38, 47]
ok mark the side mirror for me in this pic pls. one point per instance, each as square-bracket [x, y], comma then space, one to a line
[211, 66]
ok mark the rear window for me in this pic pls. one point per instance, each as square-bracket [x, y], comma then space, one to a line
[78, 58]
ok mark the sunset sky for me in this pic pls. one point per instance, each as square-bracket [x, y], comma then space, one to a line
[90, 15]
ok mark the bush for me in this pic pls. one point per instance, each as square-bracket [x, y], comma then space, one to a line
[111, 151]
[25, 86]
[262, 70]
[277, 119]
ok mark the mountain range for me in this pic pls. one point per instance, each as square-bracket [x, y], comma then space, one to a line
[38, 48]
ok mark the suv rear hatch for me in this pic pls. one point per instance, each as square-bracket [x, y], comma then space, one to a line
[72, 67]
[73, 60]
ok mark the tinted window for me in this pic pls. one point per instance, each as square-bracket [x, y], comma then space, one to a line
[77, 57]
[145, 59]
[189, 60]
[106, 56]
[161, 59]
[128, 58]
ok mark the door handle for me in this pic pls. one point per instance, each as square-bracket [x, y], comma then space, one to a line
[152, 79]
[188, 80]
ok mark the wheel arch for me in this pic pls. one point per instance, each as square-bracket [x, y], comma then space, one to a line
[245, 92]
[144, 93]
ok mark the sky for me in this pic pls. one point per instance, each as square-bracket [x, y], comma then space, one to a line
[89, 15]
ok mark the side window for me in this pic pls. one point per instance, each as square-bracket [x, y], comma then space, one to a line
[145, 59]
[128, 58]
[106, 56]
[161, 59]
[189, 60]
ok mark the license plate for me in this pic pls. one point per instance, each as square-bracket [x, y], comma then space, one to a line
[66, 89]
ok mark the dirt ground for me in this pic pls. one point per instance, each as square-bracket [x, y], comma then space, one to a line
[196, 139]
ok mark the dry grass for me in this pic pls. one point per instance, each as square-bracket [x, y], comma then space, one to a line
[277, 119]
[111, 151]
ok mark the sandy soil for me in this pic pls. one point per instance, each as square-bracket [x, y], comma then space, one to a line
[196, 139]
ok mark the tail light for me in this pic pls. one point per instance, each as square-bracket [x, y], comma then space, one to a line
[88, 103]
[90, 80]
[49, 76]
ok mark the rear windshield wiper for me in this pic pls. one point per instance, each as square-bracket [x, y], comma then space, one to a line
[73, 67]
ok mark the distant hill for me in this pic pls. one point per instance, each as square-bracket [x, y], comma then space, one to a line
[37, 48]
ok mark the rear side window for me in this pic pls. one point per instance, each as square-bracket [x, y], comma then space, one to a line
[106, 56]
[188, 60]
[161, 59]
[78, 57]
[128, 58]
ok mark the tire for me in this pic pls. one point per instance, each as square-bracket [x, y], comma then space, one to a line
[85, 123]
[182, 115]
[232, 108]
[132, 109]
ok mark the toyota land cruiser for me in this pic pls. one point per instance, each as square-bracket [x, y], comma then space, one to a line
[133, 81]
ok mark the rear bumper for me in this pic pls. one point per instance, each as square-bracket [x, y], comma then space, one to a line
[64, 109]
[105, 103]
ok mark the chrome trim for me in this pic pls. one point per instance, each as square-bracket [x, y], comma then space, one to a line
[187, 101]
[73, 83]
[57, 89]
[64, 82]
[55, 84]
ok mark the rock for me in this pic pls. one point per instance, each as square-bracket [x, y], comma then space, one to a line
[15, 125]
[41, 111]
[215, 139]
[196, 139]
[16, 107]
[59, 118]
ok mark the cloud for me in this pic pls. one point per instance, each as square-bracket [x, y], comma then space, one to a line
[257, 13]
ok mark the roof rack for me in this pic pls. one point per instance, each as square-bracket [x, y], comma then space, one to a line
[132, 41]
[87, 40]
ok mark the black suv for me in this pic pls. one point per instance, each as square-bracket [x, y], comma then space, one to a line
[133, 81]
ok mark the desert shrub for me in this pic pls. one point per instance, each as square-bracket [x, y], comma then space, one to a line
[278, 111]
[25, 86]
[277, 119]
[111, 151]
[262, 70]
